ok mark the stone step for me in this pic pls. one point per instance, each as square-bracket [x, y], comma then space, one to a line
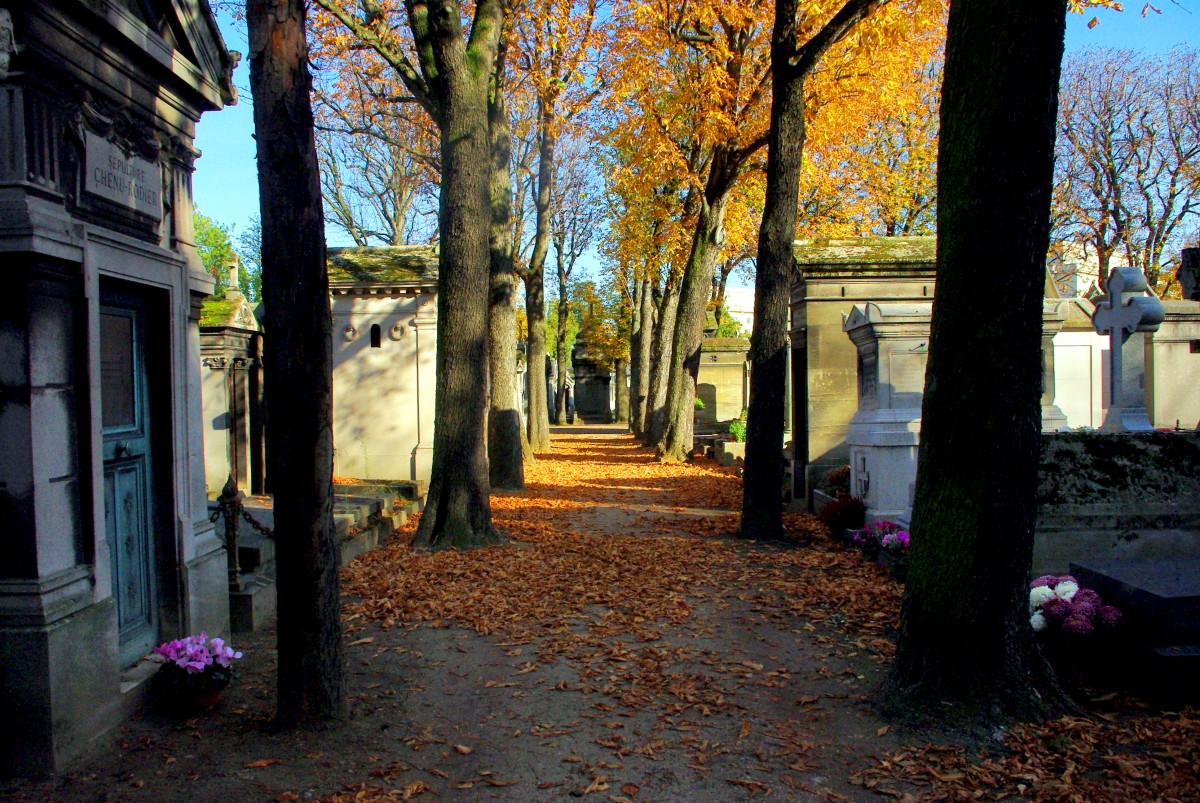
[1160, 598]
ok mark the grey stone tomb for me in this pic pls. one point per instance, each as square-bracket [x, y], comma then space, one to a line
[892, 344]
[1125, 314]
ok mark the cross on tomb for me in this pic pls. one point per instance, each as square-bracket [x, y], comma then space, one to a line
[1124, 311]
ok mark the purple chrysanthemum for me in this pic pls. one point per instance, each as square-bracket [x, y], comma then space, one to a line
[1056, 610]
[1066, 578]
[1109, 616]
[1078, 626]
[1044, 580]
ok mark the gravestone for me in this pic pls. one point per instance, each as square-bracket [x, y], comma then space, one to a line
[1160, 600]
[892, 343]
[1125, 314]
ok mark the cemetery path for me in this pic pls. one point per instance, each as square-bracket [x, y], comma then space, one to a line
[585, 659]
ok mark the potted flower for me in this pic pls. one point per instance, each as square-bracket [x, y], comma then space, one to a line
[195, 670]
[1074, 627]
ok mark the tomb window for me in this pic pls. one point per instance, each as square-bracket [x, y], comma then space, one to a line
[376, 339]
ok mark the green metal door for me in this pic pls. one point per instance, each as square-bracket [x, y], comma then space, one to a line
[128, 506]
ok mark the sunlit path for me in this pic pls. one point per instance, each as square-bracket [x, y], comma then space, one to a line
[619, 645]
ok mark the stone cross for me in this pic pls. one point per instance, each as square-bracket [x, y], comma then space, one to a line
[232, 291]
[1124, 314]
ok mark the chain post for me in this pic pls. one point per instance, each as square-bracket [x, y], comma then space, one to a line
[231, 508]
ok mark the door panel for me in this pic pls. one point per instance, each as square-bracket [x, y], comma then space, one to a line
[128, 502]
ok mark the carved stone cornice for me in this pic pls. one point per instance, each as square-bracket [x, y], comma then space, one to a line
[216, 363]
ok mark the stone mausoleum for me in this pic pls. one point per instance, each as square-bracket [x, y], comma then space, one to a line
[107, 545]
[384, 303]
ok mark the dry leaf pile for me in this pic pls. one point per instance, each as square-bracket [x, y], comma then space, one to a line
[599, 599]
[1071, 759]
[614, 556]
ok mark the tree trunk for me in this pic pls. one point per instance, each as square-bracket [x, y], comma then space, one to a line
[660, 360]
[504, 431]
[299, 363]
[622, 391]
[679, 410]
[535, 299]
[640, 348]
[762, 480]
[457, 509]
[640, 337]
[965, 635]
[560, 345]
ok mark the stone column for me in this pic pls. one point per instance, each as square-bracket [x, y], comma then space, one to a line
[1054, 315]
[424, 326]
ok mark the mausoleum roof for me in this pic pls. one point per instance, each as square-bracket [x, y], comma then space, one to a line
[724, 344]
[864, 253]
[391, 265]
[220, 311]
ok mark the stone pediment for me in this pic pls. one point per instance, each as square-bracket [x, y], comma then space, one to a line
[221, 312]
[872, 313]
[179, 30]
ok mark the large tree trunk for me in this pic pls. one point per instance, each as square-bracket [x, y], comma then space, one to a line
[560, 344]
[762, 480]
[622, 390]
[965, 635]
[457, 509]
[535, 298]
[679, 409]
[640, 348]
[660, 360]
[299, 363]
[504, 430]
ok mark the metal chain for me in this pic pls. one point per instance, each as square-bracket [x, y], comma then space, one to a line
[267, 531]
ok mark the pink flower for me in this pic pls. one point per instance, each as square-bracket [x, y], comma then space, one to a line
[1109, 616]
[1056, 610]
[1044, 580]
[1077, 626]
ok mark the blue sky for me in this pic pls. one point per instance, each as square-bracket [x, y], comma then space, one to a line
[226, 184]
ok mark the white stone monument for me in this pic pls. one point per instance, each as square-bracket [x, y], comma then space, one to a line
[892, 342]
[1127, 312]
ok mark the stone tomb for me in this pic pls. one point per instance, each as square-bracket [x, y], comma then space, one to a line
[108, 548]
[231, 360]
[891, 341]
[1160, 600]
[384, 304]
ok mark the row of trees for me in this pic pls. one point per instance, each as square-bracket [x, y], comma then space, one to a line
[753, 78]
[1127, 158]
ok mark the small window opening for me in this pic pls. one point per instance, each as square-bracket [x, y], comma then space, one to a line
[376, 339]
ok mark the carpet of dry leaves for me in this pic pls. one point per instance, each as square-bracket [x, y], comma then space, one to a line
[623, 647]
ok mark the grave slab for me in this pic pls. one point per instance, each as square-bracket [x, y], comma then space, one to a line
[1160, 598]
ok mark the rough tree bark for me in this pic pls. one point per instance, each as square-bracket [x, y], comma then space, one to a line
[457, 509]
[505, 431]
[622, 392]
[965, 635]
[640, 347]
[299, 362]
[762, 484]
[660, 360]
[675, 443]
[535, 296]
[560, 341]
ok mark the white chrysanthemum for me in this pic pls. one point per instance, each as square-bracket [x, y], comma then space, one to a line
[1040, 596]
[1065, 590]
[1037, 622]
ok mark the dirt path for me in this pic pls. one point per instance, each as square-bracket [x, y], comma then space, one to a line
[585, 659]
